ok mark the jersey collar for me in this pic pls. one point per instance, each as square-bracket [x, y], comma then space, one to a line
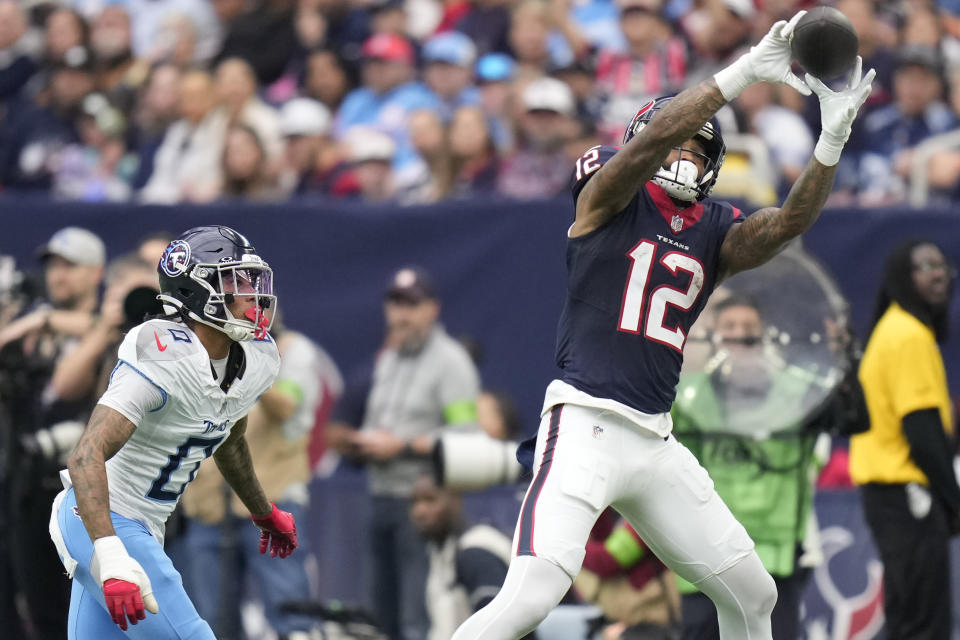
[678, 219]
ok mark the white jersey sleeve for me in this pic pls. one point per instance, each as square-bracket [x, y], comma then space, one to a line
[150, 472]
[132, 394]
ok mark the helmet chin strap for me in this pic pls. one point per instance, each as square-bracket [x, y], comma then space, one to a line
[679, 181]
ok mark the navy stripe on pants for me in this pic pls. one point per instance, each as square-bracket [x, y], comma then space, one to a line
[528, 514]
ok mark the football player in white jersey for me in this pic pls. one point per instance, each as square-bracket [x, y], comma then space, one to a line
[180, 393]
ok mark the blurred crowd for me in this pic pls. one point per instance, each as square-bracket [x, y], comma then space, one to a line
[417, 101]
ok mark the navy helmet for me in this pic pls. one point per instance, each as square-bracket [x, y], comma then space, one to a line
[202, 271]
[714, 152]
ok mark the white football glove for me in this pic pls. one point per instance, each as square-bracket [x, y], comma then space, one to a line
[838, 110]
[767, 61]
[126, 587]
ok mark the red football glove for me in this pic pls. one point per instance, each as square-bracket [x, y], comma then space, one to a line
[126, 587]
[122, 595]
[278, 531]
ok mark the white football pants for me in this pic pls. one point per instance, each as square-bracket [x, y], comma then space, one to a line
[587, 459]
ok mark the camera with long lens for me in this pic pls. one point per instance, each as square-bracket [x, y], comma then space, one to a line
[140, 304]
[470, 460]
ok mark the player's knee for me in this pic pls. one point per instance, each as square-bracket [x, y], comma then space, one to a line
[763, 595]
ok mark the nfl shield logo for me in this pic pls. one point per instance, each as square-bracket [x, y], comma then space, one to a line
[676, 223]
[597, 431]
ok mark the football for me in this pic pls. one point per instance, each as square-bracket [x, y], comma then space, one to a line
[825, 43]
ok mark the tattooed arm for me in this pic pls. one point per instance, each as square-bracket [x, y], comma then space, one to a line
[617, 181]
[766, 232]
[233, 460]
[763, 234]
[106, 432]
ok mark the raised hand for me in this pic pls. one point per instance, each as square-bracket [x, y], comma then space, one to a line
[767, 61]
[838, 110]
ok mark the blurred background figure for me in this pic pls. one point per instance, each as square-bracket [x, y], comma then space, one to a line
[45, 427]
[371, 157]
[246, 168]
[904, 463]
[423, 384]
[449, 58]
[187, 164]
[467, 562]
[536, 169]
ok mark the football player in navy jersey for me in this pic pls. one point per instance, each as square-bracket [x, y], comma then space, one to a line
[644, 252]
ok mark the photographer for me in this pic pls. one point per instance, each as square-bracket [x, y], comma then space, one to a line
[97, 350]
[41, 424]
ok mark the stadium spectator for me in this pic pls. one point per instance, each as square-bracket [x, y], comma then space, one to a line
[449, 58]
[535, 45]
[19, 50]
[154, 22]
[45, 427]
[370, 155]
[245, 168]
[494, 74]
[326, 79]
[716, 29]
[187, 164]
[653, 63]
[65, 29]
[237, 93]
[429, 136]
[98, 168]
[467, 563]
[404, 413]
[917, 112]
[156, 110]
[474, 162]
[218, 557]
[783, 130]
[175, 43]
[537, 169]
[35, 133]
[387, 98]
[904, 463]
[118, 75]
[264, 36]
[487, 23]
[308, 152]
[151, 246]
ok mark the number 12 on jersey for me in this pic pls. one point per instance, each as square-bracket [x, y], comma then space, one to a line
[635, 297]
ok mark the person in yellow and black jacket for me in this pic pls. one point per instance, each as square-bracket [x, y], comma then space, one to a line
[903, 463]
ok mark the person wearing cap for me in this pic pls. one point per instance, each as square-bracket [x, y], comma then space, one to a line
[449, 58]
[494, 74]
[370, 156]
[305, 127]
[387, 97]
[537, 169]
[918, 112]
[423, 382]
[44, 426]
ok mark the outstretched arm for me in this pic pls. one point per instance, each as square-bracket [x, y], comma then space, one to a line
[764, 234]
[616, 183]
[612, 187]
[233, 460]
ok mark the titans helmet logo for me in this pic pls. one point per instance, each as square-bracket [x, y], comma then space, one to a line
[175, 258]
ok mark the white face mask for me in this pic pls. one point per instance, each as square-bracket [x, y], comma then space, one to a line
[680, 180]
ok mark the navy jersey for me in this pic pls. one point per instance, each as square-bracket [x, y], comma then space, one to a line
[635, 286]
